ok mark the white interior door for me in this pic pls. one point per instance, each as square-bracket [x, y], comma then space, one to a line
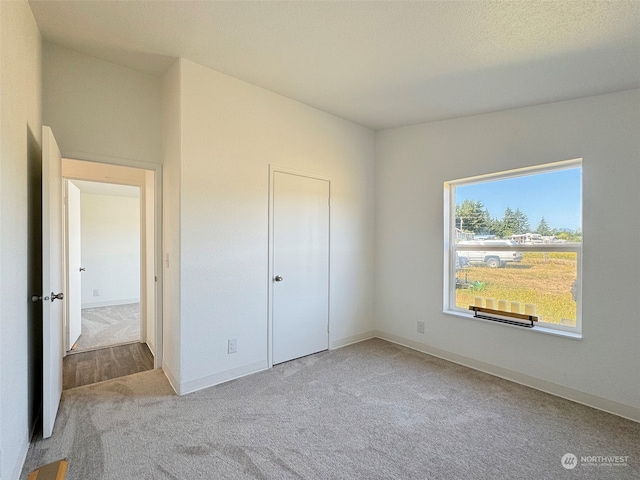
[300, 266]
[74, 266]
[52, 280]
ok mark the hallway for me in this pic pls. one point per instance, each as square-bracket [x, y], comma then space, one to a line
[85, 368]
[109, 326]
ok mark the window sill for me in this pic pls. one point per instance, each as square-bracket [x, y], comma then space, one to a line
[538, 329]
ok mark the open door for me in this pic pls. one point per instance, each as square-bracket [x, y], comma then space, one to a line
[52, 280]
[74, 266]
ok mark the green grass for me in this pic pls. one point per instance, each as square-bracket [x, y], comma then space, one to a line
[543, 279]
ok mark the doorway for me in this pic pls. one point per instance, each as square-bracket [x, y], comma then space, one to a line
[111, 251]
[299, 255]
[104, 247]
[54, 262]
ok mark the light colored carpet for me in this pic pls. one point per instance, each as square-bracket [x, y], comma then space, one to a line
[373, 410]
[108, 326]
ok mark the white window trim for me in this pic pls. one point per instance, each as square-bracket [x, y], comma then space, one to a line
[449, 292]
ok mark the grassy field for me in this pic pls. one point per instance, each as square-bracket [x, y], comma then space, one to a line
[543, 279]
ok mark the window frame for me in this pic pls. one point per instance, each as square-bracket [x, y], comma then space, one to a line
[449, 297]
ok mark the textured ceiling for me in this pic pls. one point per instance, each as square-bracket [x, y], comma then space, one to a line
[379, 64]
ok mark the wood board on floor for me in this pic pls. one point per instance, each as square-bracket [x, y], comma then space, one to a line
[52, 471]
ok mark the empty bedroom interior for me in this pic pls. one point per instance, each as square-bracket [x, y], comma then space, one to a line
[219, 136]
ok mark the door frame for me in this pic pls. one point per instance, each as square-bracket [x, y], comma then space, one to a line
[157, 260]
[66, 323]
[273, 169]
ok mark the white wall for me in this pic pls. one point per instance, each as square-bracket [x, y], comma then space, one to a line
[230, 132]
[412, 164]
[20, 248]
[97, 108]
[171, 227]
[110, 238]
[149, 223]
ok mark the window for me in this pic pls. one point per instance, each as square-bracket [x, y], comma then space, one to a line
[513, 245]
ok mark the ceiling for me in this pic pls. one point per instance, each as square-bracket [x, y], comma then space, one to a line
[108, 189]
[380, 64]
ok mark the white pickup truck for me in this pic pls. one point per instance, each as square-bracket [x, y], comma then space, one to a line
[491, 258]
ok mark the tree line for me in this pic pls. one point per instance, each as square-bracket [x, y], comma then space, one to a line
[473, 217]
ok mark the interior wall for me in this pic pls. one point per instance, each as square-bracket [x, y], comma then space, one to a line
[171, 226]
[20, 232]
[110, 248]
[230, 132]
[98, 108]
[601, 369]
[149, 263]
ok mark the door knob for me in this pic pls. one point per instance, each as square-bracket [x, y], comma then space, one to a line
[278, 278]
[82, 269]
[57, 296]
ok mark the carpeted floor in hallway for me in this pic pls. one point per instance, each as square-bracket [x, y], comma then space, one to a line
[107, 326]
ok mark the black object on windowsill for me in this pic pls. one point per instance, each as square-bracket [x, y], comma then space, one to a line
[504, 317]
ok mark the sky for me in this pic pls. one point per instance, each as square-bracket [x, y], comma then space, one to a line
[556, 196]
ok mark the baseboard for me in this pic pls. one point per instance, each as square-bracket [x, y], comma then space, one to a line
[593, 401]
[172, 379]
[215, 379]
[152, 347]
[110, 303]
[22, 457]
[343, 342]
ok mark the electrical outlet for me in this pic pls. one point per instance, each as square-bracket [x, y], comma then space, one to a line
[232, 346]
[96, 292]
[420, 327]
